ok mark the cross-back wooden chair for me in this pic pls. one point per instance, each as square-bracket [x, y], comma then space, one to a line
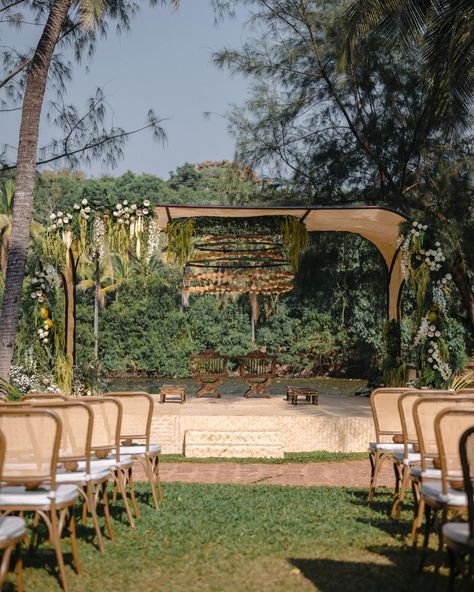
[12, 533]
[258, 369]
[425, 411]
[137, 415]
[75, 447]
[106, 447]
[209, 369]
[28, 476]
[388, 431]
[459, 536]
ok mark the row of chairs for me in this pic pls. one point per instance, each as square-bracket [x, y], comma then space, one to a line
[55, 451]
[424, 434]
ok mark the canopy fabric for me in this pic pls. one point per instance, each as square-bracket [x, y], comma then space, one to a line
[378, 225]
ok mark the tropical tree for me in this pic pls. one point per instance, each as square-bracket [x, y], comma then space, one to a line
[443, 33]
[63, 18]
[370, 135]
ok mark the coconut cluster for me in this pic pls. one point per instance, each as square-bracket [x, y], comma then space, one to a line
[126, 213]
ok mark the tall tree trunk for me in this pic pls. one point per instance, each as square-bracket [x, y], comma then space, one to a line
[25, 180]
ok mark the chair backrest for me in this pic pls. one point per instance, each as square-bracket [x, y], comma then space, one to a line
[466, 452]
[405, 409]
[39, 396]
[32, 438]
[2, 450]
[208, 363]
[77, 420]
[107, 423]
[466, 391]
[258, 364]
[385, 413]
[137, 414]
[450, 425]
[425, 411]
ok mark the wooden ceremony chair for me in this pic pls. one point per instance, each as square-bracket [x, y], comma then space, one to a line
[137, 414]
[258, 370]
[425, 411]
[388, 428]
[106, 446]
[28, 476]
[12, 533]
[451, 425]
[209, 369]
[75, 447]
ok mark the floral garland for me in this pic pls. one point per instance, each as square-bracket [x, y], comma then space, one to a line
[422, 263]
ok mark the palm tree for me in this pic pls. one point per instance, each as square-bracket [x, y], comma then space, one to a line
[91, 12]
[442, 31]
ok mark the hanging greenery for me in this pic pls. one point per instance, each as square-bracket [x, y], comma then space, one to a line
[394, 368]
[424, 268]
[180, 240]
[295, 240]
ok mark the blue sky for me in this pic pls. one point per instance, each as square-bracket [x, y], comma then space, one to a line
[164, 62]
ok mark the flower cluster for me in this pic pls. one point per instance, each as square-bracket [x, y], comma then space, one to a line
[97, 247]
[422, 332]
[127, 214]
[437, 362]
[433, 257]
[154, 239]
[39, 287]
[417, 228]
[43, 334]
[60, 220]
[83, 208]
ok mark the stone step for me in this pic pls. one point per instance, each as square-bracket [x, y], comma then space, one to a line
[233, 444]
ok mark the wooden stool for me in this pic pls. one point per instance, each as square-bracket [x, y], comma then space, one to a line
[310, 395]
[172, 390]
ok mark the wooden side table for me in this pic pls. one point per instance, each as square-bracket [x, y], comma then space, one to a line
[309, 394]
[174, 391]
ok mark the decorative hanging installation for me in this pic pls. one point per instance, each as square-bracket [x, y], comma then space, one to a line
[259, 256]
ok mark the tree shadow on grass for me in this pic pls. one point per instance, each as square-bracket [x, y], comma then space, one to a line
[397, 572]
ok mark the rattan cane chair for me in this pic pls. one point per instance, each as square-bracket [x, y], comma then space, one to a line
[137, 408]
[425, 411]
[28, 476]
[12, 532]
[75, 447]
[388, 427]
[39, 396]
[459, 536]
[106, 446]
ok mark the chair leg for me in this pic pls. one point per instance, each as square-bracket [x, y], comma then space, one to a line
[417, 522]
[52, 524]
[120, 480]
[156, 462]
[19, 568]
[34, 532]
[376, 460]
[91, 503]
[402, 477]
[108, 521]
[72, 532]
[148, 464]
[129, 480]
[452, 569]
[439, 530]
[5, 563]
[428, 524]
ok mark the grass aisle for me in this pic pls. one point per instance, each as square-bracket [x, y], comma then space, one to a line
[237, 538]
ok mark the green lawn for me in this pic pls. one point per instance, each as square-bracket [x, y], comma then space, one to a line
[237, 538]
[290, 457]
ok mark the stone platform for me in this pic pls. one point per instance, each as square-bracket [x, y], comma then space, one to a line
[340, 423]
[233, 444]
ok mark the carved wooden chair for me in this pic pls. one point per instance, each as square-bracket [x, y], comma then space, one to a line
[258, 370]
[209, 368]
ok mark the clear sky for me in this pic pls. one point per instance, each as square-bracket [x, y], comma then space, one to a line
[165, 63]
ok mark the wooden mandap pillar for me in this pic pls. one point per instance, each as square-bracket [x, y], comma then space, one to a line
[69, 283]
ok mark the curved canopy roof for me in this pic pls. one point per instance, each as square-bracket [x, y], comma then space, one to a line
[376, 224]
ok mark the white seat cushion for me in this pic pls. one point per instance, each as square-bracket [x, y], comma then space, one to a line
[19, 496]
[140, 450]
[412, 456]
[388, 446]
[11, 527]
[103, 464]
[433, 490]
[81, 477]
[415, 471]
[458, 532]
